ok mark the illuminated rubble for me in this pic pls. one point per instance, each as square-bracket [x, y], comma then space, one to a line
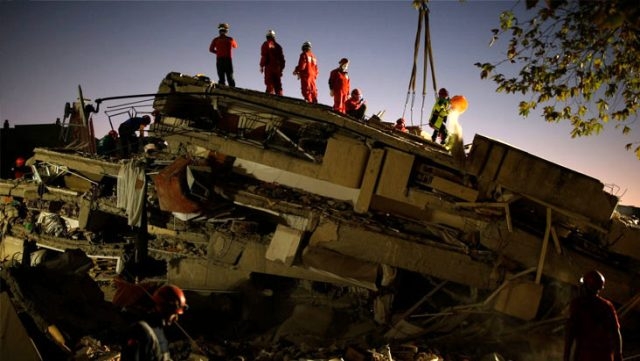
[298, 231]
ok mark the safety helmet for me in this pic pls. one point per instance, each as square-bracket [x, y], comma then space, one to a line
[443, 93]
[170, 299]
[343, 61]
[223, 27]
[20, 162]
[593, 281]
[306, 45]
[400, 121]
[356, 92]
[271, 34]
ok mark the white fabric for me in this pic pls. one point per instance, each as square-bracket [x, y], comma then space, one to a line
[130, 189]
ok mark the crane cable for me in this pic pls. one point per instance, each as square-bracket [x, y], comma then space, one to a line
[423, 18]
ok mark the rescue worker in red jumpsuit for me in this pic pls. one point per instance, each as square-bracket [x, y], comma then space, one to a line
[356, 106]
[307, 72]
[221, 46]
[339, 85]
[593, 324]
[400, 125]
[146, 340]
[272, 64]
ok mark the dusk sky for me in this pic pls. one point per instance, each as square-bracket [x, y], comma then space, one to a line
[113, 48]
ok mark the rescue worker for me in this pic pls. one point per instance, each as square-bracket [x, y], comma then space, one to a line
[439, 113]
[593, 324]
[21, 169]
[339, 85]
[272, 63]
[356, 106]
[400, 125]
[108, 144]
[146, 340]
[129, 142]
[222, 46]
[307, 72]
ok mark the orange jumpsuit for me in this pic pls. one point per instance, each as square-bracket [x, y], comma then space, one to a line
[339, 84]
[272, 62]
[307, 70]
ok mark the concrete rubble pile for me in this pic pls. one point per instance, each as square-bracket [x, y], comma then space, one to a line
[300, 233]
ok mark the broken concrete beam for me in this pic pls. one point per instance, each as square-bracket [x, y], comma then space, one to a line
[358, 242]
[284, 245]
[519, 299]
[348, 269]
[340, 169]
[567, 267]
[77, 162]
[521, 172]
[369, 180]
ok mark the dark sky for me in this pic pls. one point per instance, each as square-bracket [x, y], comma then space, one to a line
[113, 48]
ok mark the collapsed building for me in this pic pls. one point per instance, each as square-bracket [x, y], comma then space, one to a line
[325, 230]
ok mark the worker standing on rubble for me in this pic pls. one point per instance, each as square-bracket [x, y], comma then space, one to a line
[356, 106]
[129, 142]
[439, 113]
[339, 85]
[146, 340]
[593, 324]
[221, 46]
[307, 72]
[272, 63]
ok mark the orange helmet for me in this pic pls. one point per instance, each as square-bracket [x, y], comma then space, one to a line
[593, 281]
[170, 299]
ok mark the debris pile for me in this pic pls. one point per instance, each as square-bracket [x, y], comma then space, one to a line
[301, 233]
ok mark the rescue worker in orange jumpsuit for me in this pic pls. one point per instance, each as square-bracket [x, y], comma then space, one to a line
[339, 85]
[221, 46]
[307, 72]
[593, 324]
[356, 106]
[20, 170]
[146, 339]
[272, 63]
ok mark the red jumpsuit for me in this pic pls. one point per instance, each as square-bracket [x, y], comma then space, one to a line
[272, 64]
[307, 70]
[339, 85]
[593, 325]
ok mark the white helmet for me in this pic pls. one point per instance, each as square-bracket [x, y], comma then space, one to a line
[271, 34]
[306, 44]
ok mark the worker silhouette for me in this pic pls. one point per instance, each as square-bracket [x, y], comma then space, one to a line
[272, 63]
[439, 113]
[593, 330]
[129, 142]
[222, 46]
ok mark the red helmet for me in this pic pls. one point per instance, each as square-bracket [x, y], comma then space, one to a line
[20, 162]
[170, 299]
[593, 281]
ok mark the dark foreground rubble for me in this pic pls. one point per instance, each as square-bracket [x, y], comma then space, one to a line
[302, 234]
